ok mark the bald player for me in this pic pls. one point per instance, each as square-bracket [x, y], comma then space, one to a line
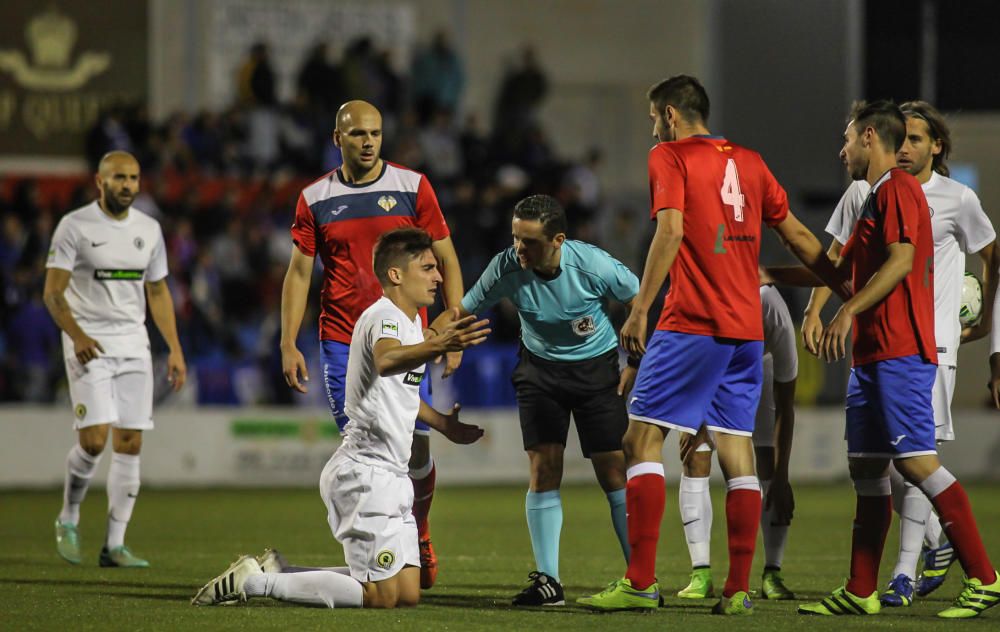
[106, 260]
[340, 217]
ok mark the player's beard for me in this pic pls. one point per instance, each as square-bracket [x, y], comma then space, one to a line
[112, 203]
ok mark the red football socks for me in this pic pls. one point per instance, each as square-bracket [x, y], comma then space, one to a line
[871, 525]
[742, 520]
[645, 496]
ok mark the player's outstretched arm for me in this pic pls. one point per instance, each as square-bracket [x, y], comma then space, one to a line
[780, 495]
[56, 282]
[161, 307]
[989, 255]
[807, 249]
[898, 264]
[449, 425]
[451, 272]
[392, 357]
[294, 294]
[662, 252]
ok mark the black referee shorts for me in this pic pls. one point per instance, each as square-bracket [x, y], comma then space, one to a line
[548, 391]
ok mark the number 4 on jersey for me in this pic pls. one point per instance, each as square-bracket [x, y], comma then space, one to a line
[731, 195]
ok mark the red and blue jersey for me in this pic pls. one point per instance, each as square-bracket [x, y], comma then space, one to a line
[902, 323]
[341, 222]
[724, 192]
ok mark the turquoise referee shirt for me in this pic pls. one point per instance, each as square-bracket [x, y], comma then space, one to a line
[564, 318]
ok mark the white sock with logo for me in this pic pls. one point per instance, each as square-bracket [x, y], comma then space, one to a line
[311, 588]
[80, 468]
[123, 489]
[696, 514]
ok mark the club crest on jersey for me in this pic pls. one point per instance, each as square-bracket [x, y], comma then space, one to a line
[390, 328]
[387, 202]
[139, 243]
[584, 327]
[80, 411]
[385, 559]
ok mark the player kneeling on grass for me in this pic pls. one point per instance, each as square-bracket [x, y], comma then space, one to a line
[365, 485]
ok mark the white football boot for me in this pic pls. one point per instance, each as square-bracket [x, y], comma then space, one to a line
[227, 588]
[271, 561]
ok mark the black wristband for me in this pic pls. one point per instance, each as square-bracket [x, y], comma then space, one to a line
[434, 330]
[632, 361]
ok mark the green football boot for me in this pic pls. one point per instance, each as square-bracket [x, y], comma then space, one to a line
[772, 585]
[974, 598]
[738, 604]
[619, 595]
[120, 557]
[68, 542]
[700, 587]
[843, 602]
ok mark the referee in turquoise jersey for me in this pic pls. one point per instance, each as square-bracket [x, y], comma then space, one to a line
[569, 364]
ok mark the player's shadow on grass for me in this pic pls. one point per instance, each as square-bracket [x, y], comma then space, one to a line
[135, 583]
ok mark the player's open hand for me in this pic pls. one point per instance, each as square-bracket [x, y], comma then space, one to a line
[86, 348]
[781, 500]
[293, 366]
[627, 380]
[833, 343]
[812, 332]
[633, 333]
[458, 432]
[463, 333]
[176, 370]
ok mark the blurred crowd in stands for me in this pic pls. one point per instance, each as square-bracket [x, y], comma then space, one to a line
[223, 185]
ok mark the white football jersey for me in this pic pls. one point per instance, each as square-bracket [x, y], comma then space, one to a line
[960, 227]
[781, 357]
[110, 261]
[381, 410]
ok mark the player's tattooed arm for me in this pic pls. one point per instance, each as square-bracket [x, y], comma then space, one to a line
[56, 282]
[161, 307]
[449, 425]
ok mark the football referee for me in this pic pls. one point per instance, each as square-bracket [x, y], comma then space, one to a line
[568, 364]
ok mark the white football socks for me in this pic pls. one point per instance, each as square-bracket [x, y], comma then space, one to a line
[696, 514]
[774, 536]
[123, 489]
[80, 468]
[915, 513]
[331, 589]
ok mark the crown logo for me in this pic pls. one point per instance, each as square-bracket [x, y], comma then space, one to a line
[387, 202]
[51, 36]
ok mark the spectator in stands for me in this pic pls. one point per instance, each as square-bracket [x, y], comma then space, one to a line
[438, 78]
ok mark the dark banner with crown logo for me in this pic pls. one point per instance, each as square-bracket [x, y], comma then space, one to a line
[63, 66]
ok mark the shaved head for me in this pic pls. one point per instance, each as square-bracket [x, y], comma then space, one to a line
[353, 112]
[115, 160]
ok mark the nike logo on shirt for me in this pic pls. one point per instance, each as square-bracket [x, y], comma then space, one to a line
[95, 244]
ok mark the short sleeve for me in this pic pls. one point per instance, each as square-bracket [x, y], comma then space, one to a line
[901, 209]
[845, 215]
[779, 335]
[666, 181]
[975, 231]
[384, 323]
[304, 228]
[490, 288]
[62, 251]
[622, 284]
[995, 331]
[157, 269]
[429, 216]
[774, 207]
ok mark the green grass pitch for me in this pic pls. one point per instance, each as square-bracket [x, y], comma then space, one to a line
[482, 543]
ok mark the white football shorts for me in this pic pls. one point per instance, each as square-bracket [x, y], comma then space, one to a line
[370, 513]
[116, 391]
[941, 396]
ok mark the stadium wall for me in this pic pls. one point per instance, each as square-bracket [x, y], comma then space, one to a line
[275, 447]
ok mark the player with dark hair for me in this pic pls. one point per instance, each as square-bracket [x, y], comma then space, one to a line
[365, 485]
[960, 227]
[339, 217]
[568, 365]
[890, 415]
[703, 364]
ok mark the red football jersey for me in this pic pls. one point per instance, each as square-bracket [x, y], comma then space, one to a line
[901, 324]
[724, 192]
[341, 222]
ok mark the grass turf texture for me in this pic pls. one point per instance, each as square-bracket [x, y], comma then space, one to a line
[483, 548]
